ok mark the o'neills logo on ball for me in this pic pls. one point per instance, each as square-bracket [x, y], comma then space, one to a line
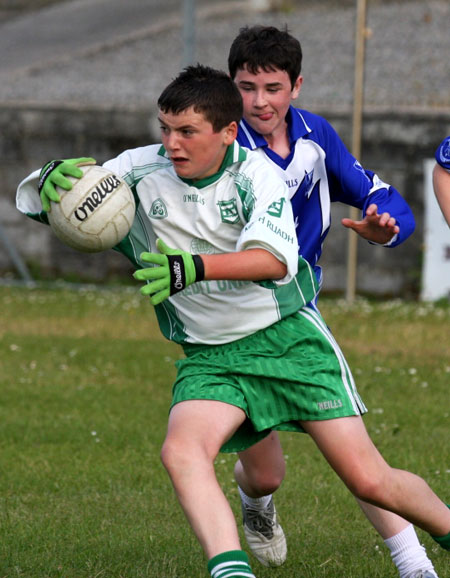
[96, 197]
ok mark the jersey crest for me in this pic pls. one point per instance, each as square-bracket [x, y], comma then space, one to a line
[158, 210]
[228, 211]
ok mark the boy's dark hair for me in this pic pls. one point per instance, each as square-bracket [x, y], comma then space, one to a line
[266, 48]
[208, 91]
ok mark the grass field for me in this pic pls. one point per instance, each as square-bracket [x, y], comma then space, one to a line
[85, 388]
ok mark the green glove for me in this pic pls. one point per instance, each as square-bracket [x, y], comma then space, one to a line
[173, 270]
[53, 175]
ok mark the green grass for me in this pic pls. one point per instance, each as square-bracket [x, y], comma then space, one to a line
[85, 386]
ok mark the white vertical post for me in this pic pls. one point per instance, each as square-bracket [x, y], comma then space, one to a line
[436, 243]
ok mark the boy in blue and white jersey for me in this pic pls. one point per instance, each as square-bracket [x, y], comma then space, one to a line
[441, 177]
[306, 151]
[311, 158]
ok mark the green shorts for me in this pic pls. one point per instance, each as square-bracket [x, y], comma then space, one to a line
[289, 372]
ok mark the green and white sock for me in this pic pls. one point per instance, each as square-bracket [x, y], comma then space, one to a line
[232, 564]
[443, 541]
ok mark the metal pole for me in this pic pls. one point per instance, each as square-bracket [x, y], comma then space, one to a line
[358, 94]
[188, 32]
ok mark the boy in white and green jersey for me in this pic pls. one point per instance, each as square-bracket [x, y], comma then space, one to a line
[241, 206]
[233, 293]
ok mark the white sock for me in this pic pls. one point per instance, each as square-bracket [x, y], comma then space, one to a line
[256, 503]
[408, 554]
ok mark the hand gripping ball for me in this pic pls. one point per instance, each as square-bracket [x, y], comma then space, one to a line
[96, 214]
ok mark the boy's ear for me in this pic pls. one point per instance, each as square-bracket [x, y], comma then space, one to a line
[230, 133]
[297, 87]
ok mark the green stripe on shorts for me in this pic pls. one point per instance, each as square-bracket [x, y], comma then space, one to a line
[289, 372]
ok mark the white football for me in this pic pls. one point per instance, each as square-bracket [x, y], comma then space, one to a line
[96, 214]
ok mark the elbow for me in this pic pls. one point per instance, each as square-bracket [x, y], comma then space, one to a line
[277, 269]
[283, 270]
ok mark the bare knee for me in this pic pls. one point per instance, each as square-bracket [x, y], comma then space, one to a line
[261, 480]
[349, 450]
[182, 454]
[169, 455]
[265, 485]
[177, 454]
[369, 487]
[268, 481]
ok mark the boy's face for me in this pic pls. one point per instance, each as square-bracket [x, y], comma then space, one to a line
[195, 150]
[266, 97]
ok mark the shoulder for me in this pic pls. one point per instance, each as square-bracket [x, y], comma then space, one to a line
[142, 155]
[253, 169]
[257, 175]
[442, 154]
[309, 126]
[312, 121]
[134, 164]
[256, 164]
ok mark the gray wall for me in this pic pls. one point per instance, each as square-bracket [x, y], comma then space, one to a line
[394, 145]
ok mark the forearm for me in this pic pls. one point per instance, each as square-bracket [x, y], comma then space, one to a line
[441, 185]
[250, 265]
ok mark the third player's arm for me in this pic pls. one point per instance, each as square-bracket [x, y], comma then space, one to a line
[441, 185]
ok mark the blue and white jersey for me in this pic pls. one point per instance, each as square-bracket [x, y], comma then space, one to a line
[442, 154]
[320, 170]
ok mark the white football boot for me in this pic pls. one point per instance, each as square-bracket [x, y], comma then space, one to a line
[264, 534]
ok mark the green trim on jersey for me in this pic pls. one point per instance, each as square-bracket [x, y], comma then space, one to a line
[301, 290]
[169, 322]
[135, 176]
[244, 187]
[41, 217]
[136, 242]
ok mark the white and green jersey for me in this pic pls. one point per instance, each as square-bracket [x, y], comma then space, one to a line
[243, 206]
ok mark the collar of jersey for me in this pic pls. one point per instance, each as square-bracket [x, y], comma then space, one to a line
[234, 154]
[297, 128]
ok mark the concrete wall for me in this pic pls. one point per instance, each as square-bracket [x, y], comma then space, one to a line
[394, 145]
